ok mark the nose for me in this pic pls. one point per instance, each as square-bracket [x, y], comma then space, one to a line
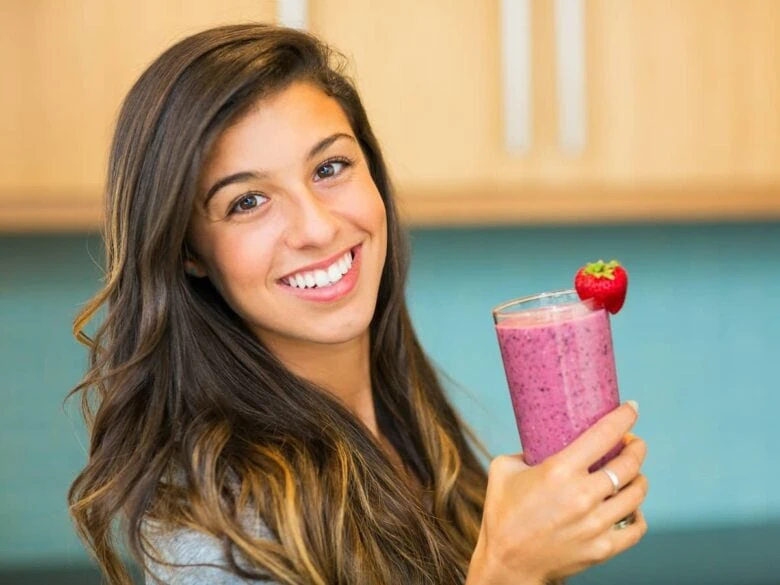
[310, 222]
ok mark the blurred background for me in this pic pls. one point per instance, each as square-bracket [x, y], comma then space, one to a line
[525, 138]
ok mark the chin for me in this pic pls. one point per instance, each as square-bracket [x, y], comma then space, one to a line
[325, 333]
[344, 334]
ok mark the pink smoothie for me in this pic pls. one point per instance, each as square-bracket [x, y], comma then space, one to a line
[561, 374]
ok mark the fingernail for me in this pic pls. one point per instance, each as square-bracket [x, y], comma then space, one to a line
[633, 404]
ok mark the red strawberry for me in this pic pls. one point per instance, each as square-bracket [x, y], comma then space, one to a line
[606, 282]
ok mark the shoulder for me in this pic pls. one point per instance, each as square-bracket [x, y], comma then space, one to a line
[190, 557]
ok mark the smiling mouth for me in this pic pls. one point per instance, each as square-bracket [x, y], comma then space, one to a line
[323, 277]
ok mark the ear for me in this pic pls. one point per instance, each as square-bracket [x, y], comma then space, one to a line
[194, 268]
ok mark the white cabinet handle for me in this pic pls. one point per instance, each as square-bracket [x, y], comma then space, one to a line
[516, 74]
[570, 74]
[293, 13]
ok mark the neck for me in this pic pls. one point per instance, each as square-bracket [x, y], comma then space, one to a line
[342, 369]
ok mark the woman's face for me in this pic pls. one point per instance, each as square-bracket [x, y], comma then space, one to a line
[289, 225]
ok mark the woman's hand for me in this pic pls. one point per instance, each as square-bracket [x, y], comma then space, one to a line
[556, 519]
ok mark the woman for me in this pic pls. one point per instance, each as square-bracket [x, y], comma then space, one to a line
[261, 409]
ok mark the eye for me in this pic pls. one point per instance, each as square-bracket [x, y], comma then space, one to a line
[331, 168]
[247, 203]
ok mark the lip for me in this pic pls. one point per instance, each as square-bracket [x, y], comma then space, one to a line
[333, 292]
[320, 265]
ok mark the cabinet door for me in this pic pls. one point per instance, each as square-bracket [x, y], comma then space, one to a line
[684, 91]
[71, 62]
[681, 109]
[428, 73]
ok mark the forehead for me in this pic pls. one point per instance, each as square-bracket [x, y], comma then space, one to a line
[276, 131]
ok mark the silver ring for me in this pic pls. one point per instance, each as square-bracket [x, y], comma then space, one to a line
[613, 478]
[625, 522]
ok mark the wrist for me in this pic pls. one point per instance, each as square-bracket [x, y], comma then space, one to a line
[484, 572]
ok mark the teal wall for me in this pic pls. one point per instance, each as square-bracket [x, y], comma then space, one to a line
[696, 345]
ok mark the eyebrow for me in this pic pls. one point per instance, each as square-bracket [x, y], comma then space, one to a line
[244, 176]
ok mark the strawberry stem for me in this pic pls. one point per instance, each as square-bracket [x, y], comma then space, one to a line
[601, 269]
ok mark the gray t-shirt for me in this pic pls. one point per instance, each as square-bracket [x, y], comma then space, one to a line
[202, 556]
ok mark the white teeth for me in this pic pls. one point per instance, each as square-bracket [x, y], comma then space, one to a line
[334, 273]
[321, 278]
[331, 275]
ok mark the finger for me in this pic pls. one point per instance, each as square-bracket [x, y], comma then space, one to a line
[521, 456]
[627, 501]
[625, 538]
[506, 465]
[615, 541]
[628, 437]
[519, 459]
[624, 469]
[598, 440]
[607, 513]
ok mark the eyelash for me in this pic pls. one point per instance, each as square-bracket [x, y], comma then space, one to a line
[347, 162]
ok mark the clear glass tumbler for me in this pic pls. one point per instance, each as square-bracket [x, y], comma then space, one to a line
[559, 364]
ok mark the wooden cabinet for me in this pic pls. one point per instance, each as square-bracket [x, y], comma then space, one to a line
[682, 109]
[685, 89]
[682, 119]
[67, 65]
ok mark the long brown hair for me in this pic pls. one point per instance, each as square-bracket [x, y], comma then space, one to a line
[194, 422]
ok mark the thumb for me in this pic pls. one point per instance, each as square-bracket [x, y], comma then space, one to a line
[519, 460]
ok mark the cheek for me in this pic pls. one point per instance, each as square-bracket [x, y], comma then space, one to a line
[240, 261]
[367, 209]
[380, 221]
